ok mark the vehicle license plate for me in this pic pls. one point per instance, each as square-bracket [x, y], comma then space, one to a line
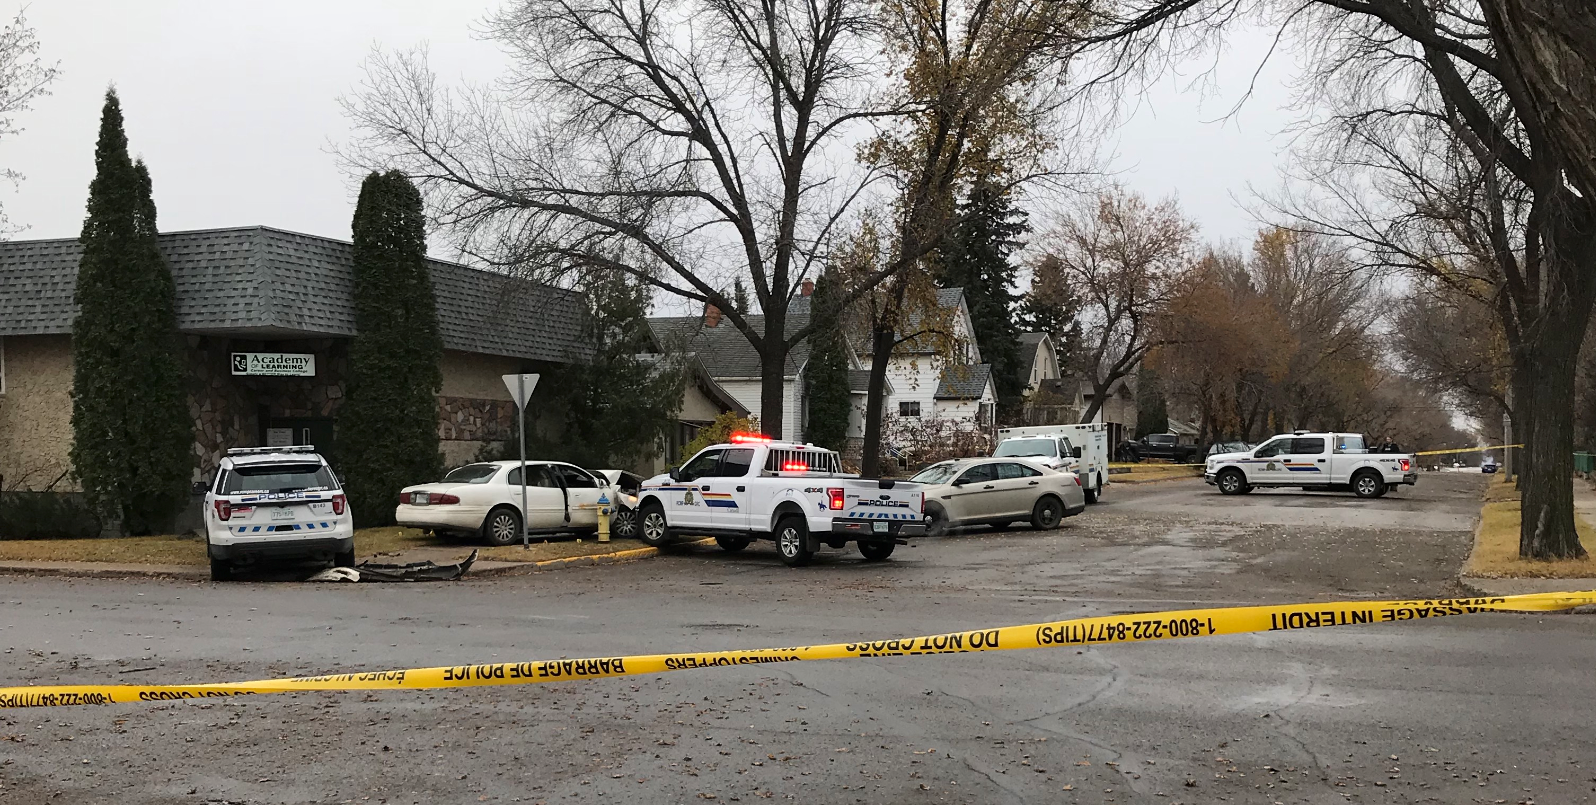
[880, 528]
[418, 498]
[282, 513]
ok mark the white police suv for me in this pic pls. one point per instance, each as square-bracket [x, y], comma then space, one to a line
[276, 502]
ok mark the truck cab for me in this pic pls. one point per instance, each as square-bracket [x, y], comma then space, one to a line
[1325, 461]
[794, 494]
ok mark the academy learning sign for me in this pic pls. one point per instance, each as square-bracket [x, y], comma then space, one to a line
[274, 364]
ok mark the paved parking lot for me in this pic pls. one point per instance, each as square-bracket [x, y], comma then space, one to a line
[1493, 708]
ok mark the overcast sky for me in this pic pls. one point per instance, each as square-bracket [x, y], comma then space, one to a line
[234, 107]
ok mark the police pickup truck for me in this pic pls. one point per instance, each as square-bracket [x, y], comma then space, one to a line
[1328, 461]
[795, 494]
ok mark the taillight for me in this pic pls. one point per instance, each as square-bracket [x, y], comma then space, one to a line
[1404, 464]
[437, 499]
[224, 510]
[836, 499]
[1077, 478]
[338, 504]
[922, 503]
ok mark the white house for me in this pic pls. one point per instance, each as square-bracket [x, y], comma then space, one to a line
[733, 363]
[1038, 361]
[927, 382]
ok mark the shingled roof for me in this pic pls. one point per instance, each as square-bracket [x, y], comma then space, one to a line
[264, 283]
[964, 382]
[723, 349]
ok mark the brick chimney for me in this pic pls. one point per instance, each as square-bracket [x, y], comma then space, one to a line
[711, 315]
[809, 288]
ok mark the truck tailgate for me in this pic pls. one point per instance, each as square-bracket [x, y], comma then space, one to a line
[869, 500]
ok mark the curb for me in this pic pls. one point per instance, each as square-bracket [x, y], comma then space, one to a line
[89, 571]
[524, 568]
[1471, 585]
[199, 573]
[1136, 481]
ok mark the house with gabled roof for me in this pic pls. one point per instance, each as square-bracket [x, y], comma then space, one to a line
[941, 376]
[267, 317]
[735, 366]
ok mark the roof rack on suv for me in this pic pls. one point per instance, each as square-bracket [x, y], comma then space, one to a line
[255, 451]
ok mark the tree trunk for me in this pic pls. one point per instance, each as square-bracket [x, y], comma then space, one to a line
[773, 376]
[882, 338]
[1098, 392]
[1547, 519]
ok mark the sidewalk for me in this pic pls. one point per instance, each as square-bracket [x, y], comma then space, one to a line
[1584, 509]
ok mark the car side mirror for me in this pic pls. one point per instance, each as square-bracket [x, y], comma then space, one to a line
[676, 473]
[959, 482]
[1076, 452]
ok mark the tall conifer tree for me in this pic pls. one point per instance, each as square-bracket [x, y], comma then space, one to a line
[132, 434]
[978, 260]
[830, 401]
[388, 426]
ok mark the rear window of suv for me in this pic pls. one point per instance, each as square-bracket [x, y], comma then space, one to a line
[276, 478]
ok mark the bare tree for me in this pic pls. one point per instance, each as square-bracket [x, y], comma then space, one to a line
[1125, 259]
[686, 143]
[24, 78]
[1485, 91]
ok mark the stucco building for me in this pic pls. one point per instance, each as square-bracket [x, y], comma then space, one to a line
[266, 318]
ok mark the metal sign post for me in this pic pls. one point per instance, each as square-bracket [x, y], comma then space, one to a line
[521, 387]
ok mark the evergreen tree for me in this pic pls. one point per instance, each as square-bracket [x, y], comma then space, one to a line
[740, 296]
[977, 259]
[620, 406]
[1052, 307]
[1152, 409]
[826, 376]
[132, 435]
[388, 425]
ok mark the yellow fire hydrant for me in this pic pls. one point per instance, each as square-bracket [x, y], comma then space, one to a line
[604, 517]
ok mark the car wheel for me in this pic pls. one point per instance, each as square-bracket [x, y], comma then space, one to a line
[732, 544]
[345, 559]
[503, 527]
[624, 524]
[792, 541]
[1094, 491]
[876, 551]
[1368, 484]
[221, 570]
[936, 520]
[1231, 482]
[652, 528]
[1047, 513]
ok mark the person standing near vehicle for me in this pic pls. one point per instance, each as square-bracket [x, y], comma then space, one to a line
[1389, 445]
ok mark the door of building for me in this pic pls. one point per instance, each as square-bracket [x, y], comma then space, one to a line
[296, 431]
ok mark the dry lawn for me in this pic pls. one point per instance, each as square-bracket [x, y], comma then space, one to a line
[1495, 553]
[170, 550]
[1154, 472]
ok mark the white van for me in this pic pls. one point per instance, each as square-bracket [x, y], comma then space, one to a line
[1092, 441]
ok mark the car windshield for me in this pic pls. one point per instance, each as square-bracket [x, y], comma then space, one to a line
[277, 478]
[936, 474]
[1019, 448]
[471, 474]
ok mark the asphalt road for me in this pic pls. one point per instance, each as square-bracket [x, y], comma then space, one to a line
[1487, 708]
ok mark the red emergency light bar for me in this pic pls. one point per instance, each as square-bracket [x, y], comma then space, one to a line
[745, 438]
[795, 466]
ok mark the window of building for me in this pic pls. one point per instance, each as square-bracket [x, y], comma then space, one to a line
[909, 408]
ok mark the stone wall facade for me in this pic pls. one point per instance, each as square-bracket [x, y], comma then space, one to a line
[36, 414]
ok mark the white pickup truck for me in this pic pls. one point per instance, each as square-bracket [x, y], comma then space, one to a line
[795, 494]
[1329, 461]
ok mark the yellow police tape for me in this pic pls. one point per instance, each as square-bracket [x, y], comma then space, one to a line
[1082, 632]
[1466, 450]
